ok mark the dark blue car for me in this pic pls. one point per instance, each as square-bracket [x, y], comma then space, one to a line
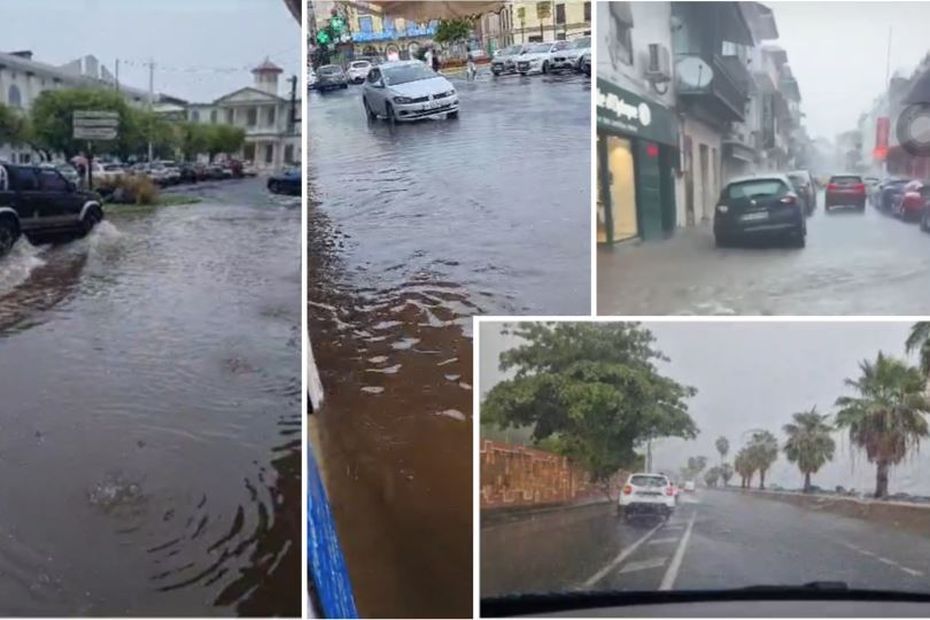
[287, 182]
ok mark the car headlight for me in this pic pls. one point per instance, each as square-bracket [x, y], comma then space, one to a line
[403, 100]
[722, 208]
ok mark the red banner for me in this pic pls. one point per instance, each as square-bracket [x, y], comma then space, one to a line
[882, 129]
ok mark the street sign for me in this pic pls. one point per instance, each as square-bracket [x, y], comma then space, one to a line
[95, 124]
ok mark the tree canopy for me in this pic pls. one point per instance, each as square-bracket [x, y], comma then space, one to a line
[809, 444]
[592, 387]
[452, 30]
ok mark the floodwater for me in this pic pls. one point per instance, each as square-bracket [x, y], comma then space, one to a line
[414, 229]
[150, 441]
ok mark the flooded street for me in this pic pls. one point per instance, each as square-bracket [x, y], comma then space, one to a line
[150, 427]
[414, 229]
[854, 264]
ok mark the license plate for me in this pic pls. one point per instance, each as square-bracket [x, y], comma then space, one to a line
[755, 217]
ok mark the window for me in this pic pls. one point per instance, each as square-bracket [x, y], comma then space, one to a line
[195, 116]
[14, 97]
[251, 117]
[230, 116]
[52, 181]
[213, 116]
[289, 153]
[24, 179]
[269, 153]
[271, 116]
[560, 13]
[587, 12]
[364, 23]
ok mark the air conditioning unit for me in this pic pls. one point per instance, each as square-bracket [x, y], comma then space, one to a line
[659, 68]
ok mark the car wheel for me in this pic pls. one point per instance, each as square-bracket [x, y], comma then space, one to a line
[523, 73]
[389, 112]
[344, 86]
[368, 111]
[799, 239]
[274, 188]
[453, 115]
[545, 67]
[91, 218]
[9, 233]
[925, 221]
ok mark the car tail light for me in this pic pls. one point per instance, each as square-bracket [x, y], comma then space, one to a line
[669, 491]
[832, 186]
[627, 489]
[859, 187]
[787, 200]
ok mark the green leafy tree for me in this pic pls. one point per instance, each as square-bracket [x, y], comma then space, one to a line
[593, 385]
[809, 444]
[14, 126]
[224, 139]
[723, 447]
[726, 472]
[712, 476]
[762, 452]
[52, 113]
[886, 416]
[452, 30]
[745, 467]
[919, 340]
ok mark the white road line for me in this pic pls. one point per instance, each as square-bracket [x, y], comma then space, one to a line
[624, 554]
[887, 561]
[632, 567]
[910, 571]
[671, 574]
[662, 541]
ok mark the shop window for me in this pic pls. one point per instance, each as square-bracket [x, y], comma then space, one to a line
[560, 13]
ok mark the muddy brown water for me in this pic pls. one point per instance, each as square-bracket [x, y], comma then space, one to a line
[150, 424]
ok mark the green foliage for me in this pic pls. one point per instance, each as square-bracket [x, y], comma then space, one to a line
[52, 114]
[919, 340]
[593, 388]
[886, 417]
[712, 476]
[224, 139]
[762, 451]
[744, 466]
[723, 446]
[452, 30]
[726, 472]
[809, 443]
[14, 126]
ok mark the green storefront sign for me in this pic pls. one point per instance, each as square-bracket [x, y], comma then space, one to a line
[621, 111]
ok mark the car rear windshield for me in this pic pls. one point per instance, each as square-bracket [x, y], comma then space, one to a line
[329, 70]
[648, 481]
[407, 73]
[847, 179]
[756, 188]
[360, 64]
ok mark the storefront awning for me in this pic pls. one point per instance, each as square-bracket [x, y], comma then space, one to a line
[623, 112]
[423, 11]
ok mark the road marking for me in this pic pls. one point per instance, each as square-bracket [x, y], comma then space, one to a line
[672, 573]
[887, 561]
[624, 554]
[662, 541]
[674, 527]
[632, 567]
[910, 571]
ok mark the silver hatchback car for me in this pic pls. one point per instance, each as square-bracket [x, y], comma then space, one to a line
[408, 90]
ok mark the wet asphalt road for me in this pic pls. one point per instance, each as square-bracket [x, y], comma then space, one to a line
[412, 230]
[150, 444]
[725, 539]
[854, 264]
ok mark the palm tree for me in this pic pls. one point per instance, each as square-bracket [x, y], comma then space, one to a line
[919, 340]
[723, 446]
[762, 451]
[744, 467]
[726, 472]
[809, 443]
[886, 417]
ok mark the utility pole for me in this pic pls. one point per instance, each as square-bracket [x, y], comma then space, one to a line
[292, 117]
[151, 96]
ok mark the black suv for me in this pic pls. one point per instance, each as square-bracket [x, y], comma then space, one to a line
[38, 200]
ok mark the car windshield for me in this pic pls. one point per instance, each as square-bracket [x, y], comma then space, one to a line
[513, 49]
[581, 43]
[648, 481]
[402, 74]
[330, 70]
[756, 188]
[539, 48]
[848, 179]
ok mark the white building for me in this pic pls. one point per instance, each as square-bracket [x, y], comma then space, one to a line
[272, 133]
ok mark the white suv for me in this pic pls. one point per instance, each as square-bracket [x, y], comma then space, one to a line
[647, 493]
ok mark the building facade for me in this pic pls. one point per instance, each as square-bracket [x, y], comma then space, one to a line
[272, 138]
[529, 22]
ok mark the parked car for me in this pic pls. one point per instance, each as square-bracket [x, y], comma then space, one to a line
[330, 77]
[249, 169]
[408, 90]
[106, 172]
[358, 71]
[286, 182]
[311, 78]
[38, 200]
[170, 170]
[586, 64]
[763, 205]
[538, 58]
[67, 171]
[890, 193]
[569, 58]
[646, 494]
[188, 172]
[844, 190]
[803, 184]
[910, 206]
[505, 60]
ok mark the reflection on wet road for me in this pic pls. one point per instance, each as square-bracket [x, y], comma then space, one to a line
[150, 444]
[714, 540]
[414, 229]
[854, 264]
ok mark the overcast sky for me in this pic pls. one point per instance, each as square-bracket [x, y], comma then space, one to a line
[756, 375]
[202, 49]
[838, 50]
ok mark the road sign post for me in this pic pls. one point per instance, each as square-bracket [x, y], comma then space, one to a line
[93, 125]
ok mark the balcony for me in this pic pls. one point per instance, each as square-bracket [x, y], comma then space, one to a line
[727, 92]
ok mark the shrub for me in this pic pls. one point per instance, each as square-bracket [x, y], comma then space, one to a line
[129, 189]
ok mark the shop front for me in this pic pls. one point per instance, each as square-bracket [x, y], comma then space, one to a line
[637, 155]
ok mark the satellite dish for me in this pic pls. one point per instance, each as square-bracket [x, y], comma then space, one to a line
[694, 72]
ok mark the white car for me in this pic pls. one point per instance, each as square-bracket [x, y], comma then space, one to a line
[408, 90]
[505, 60]
[538, 57]
[646, 494]
[570, 57]
[105, 173]
[358, 71]
[689, 486]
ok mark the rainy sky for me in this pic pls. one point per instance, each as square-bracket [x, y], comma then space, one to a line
[203, 49]
[838, 51]
[756, 375]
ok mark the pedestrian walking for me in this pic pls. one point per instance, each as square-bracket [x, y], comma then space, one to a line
[436, 64]
[428, 58]
[472, 69]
